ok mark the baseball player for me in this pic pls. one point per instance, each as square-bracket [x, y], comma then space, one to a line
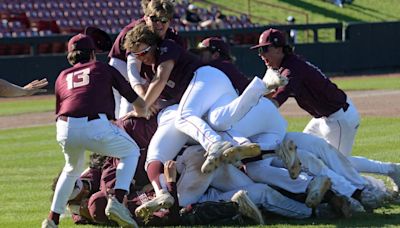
[8, 89]
[157, 15]
[84, 108]
[335, 118]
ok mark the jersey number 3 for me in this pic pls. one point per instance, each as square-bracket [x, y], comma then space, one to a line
[78, 78]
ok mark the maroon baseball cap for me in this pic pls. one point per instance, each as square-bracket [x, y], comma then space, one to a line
[215, 44]
[81, 42]
[271, 37]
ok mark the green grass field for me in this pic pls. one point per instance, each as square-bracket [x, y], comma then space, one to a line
[32, 158]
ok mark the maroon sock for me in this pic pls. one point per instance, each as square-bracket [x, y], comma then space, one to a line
[154, 170]
[120, 194]
[174, 210]
[55, 217]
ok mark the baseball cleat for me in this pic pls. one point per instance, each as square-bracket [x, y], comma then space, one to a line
[395, 175]
[237, 153]
[214, 156]
[47, 223]
[247, 207]
[273, 79]
[371, 199]
[118, 213]
[316, 190]
[162, 200]
[287, 153]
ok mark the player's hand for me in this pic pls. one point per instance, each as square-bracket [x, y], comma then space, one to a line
[36, 86]
[170, 171]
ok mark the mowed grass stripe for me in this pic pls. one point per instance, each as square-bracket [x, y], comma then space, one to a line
[16, 107]
[33, 158]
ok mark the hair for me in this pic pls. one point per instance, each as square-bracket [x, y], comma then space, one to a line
[141, 33]
[159, 8]
[79, 56]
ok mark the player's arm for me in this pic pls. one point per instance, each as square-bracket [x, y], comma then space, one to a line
[139, 85]
[8, 89]
[157, 85]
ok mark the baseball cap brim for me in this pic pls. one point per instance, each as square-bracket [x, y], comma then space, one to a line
[260, 45]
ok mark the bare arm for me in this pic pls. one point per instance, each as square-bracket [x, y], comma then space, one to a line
[158, 84]
[8, 89]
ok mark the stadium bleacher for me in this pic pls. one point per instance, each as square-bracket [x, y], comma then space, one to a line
[32, 18]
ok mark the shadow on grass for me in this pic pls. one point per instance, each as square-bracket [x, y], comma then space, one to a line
[385, 216]
[320, 10]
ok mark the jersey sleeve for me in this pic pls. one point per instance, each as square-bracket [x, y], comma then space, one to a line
[133, 71]
[283, 93]
[123, 86]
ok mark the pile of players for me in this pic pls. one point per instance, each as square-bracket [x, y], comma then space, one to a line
[191, 129]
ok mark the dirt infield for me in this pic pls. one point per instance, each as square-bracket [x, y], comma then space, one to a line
[369, 103]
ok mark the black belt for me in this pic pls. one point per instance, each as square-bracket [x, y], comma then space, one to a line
[90, 118]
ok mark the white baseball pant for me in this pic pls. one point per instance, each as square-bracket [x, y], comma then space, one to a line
[122, 105]
[207, 87]
[254, 118]
[100, 136]
[266, 197]
[192, 185]
[339, 130]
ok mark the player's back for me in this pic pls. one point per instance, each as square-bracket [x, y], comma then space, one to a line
[85, 89]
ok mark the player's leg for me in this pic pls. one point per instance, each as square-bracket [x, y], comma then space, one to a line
[207, 86]
[164, 145]
[230, 109]
[70, 141]
[331, 157]
[106, 138]
[266, 197]
[277, 176]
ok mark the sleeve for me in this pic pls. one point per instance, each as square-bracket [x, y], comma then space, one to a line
[283, 93]
[133, 65]
[123, 86]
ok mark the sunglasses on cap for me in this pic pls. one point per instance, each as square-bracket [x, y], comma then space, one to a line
[262, 49]
[142, 52]
[156, 19]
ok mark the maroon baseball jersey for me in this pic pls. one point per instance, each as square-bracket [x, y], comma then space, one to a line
[140, 129]
[185, 65]
[117, 50]
[86, 90]
[311, 89]
[239, 80]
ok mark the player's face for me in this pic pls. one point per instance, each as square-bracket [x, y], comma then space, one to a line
[158, 25]
[145, 53]
[269, 55]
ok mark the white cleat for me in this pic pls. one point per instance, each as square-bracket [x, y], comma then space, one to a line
[237, 153]
[316, 190]
[247, 207]
[214, 156]
[163, 200]
[118, 213]
[287, 152]
[273, 79]
[47, 223]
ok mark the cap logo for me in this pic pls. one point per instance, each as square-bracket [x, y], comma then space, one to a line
[163, 50]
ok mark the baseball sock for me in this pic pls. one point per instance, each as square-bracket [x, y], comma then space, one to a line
[154, 169]
[120, 194]
[55, 217]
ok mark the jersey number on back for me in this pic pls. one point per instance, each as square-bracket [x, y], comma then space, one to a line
[78, 78]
